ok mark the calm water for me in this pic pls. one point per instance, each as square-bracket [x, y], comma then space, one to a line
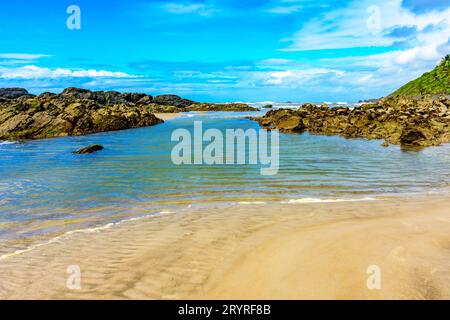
[45, 190]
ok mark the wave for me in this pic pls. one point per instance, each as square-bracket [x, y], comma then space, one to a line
[77, 231]
[5, 142]
[318, 200]
[252, 202]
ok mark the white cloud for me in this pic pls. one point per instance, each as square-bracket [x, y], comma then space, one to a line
[422, 47]
[35, 72]
[355, 26]
[22, 56]
[196, 8]
[290, 77]
[285, 9]
[275, 62]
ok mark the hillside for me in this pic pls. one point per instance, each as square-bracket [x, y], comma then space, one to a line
[436, 81]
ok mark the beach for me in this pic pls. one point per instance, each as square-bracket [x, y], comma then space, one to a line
[306, 250]
[168, 116]
[128, 223]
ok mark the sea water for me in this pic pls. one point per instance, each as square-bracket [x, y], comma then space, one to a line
[47, 191]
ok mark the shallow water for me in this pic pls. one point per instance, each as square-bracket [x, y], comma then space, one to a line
[45, 190]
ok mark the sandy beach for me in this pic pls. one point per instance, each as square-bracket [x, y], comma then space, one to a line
[254, 251]
[168, 116]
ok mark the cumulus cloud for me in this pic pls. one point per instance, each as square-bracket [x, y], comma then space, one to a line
[294, 78]
[35, 72]
[415, 42]
[362, 24]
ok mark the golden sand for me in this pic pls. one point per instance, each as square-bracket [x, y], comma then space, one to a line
[263, 251]
[168, 116]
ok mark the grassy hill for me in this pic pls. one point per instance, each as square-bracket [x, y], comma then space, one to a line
[436, 81]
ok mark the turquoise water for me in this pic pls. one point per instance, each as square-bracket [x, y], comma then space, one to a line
[45, 190]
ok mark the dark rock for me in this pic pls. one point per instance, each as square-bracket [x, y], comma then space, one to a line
[411, 137]
[77, 93]
[173, 100]
[136, 97]
[56, 116]
[13, 93]
[89, 149]
[220, 107]
[414, 122]
[47, 95]
[268, 106]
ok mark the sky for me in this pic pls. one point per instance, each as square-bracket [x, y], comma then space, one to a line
[223, 50]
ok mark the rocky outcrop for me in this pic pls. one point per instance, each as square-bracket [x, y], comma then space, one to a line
[412, 122]
[89, 149]
[178, 104]
[220, 107]
[173, 100]
[77, 111]
[13, 93]
[73, 112]
[105, 97]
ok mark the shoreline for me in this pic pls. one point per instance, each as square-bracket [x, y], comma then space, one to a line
[226, 252]
[168, 116]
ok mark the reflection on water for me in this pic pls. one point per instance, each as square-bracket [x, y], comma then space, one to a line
[46, 190]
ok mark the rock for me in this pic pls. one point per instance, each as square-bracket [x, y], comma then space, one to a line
[291, 124]
[220, 107]
[77, 111]
[415, 122]
[268, 106]
[411, 137]
[46, 95]
[65, 115]
[13, 93]
[173, 100]
[89, 149]
[136, 97]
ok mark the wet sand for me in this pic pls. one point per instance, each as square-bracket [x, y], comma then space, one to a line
[261, 251]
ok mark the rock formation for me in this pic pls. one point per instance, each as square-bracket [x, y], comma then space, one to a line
[413, 122]
[73, 112]
[89, 149]
[79, 111]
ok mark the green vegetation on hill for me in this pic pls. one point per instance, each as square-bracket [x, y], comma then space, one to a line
[436, 81]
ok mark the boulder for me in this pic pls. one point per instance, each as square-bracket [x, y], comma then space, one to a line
[13, 93]
[173, 100]
[412, 137]
[89, 149]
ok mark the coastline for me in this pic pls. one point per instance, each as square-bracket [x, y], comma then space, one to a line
[270, 251]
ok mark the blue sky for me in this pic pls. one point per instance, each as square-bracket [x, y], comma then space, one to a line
[224, 50]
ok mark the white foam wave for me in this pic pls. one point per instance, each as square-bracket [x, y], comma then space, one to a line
[7, 142]
[318, 200]
[252, 202]
[78, 231]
